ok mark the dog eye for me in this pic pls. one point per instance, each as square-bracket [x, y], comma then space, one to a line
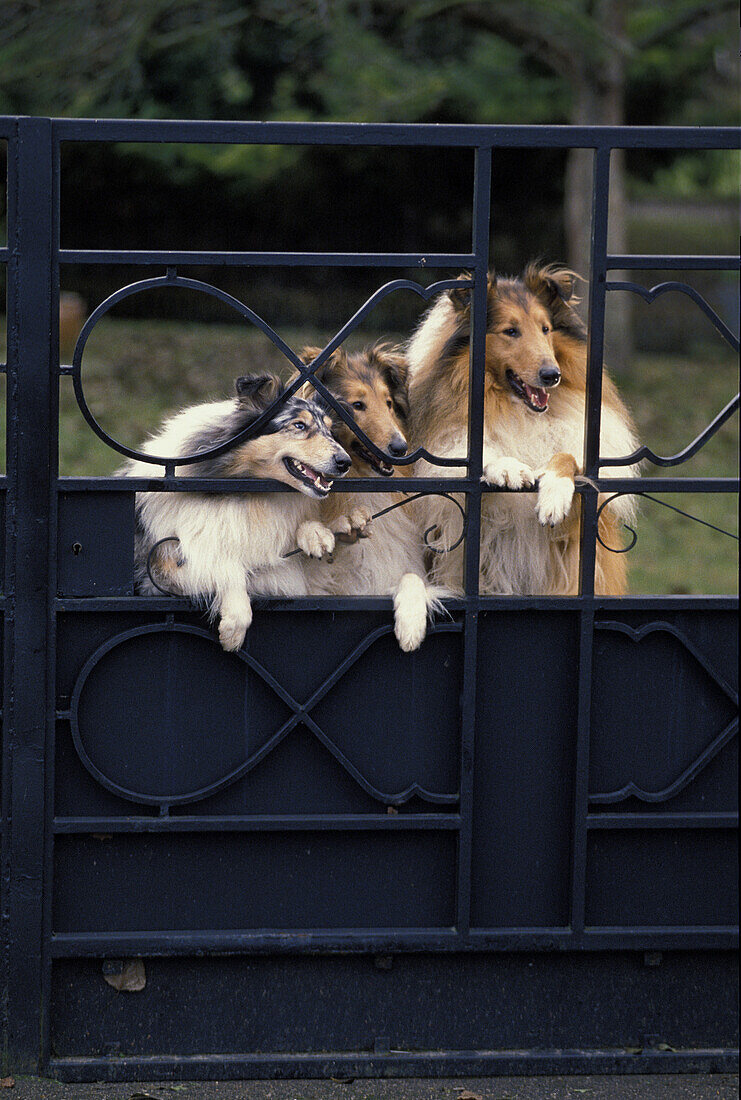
[389, 404]
[546, 328]
[511, 332]
[299, 424]
[359, 405]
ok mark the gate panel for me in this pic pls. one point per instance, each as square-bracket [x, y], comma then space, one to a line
[526, 718]
[698, 883]
[255, 880]
[407, 858]
[94, 538]
[334, 1015]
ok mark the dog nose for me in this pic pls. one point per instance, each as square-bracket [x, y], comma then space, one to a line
[549, 374]
[398, 446]
[342, 462]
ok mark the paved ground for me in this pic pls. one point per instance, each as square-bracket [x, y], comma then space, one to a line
[675, 1087]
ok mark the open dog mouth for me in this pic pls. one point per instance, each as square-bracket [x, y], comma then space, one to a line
[308, 476]
[382, 467]
[535, 397]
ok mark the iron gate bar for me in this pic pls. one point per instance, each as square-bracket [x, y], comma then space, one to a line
[588, 532]
[433, 260]
[54, 202]
[673, 263]
[351, 485]
[472, 526]
[30, 560]
[186, 823]
[689, 820]
[396, 1064]
[313, 941]
[268, 259]
[309, 822]
[440, 135]
[613, 604]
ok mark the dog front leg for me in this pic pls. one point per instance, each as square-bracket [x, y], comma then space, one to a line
[556, 489]
[235, 615]
[410, 612]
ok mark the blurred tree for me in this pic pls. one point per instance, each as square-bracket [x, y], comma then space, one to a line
[590, 45]
[580, 61]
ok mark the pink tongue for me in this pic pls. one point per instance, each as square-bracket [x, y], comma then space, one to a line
[537, 396]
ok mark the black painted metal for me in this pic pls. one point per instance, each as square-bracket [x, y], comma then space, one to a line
[371, 853]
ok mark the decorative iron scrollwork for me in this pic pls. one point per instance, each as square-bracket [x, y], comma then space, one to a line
[300, 714]
[711, 750]
[654, 500]
[304, 373]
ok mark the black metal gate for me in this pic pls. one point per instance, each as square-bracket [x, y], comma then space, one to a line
[457, 880]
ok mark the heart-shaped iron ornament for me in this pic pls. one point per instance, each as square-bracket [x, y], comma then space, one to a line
[161, 716]
[652, 741]
[304, 372]
[649, 294]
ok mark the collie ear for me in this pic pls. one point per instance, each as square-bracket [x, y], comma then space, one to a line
[258, 391]
[336, 359]
[308, 354]
[460, 296]
[551, 283]
[394, 370]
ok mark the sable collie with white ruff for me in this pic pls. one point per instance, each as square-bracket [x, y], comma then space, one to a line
[230, 546]
[372, 386]
[535, 382]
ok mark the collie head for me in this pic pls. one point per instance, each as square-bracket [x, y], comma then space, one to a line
[535, 340]
[295, 446]
[372, 387]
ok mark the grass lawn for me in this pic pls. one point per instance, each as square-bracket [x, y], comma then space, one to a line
[135, 372]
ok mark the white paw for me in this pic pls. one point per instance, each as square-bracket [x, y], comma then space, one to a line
[315, 539]
[508, 473]
[360, 517]
[555, 496]
[410, 613]
[232, 630]
[354, 526]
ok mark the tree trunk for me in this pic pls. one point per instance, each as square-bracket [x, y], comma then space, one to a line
[599, 101]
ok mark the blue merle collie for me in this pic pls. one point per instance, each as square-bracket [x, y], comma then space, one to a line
[231, 545]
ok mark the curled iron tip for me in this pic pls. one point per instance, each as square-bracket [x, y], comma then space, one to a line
[634, 536]
[459, 540]
[150, 556]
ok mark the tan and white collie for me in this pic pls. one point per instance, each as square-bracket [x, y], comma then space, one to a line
[533, 433]
[372, 387]
[231, 545]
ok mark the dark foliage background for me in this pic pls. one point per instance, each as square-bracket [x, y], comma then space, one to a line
[596, 61]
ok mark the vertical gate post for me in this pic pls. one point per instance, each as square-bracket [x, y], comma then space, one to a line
[479, 298]
[588, 532]
[31, 466]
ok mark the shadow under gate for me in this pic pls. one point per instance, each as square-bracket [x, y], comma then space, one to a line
[334, 858]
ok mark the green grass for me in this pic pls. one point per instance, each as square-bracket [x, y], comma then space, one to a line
[673, 399]
[135, 372]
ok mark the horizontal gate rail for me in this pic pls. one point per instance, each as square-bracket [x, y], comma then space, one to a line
[437, 135]
[354, 485]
